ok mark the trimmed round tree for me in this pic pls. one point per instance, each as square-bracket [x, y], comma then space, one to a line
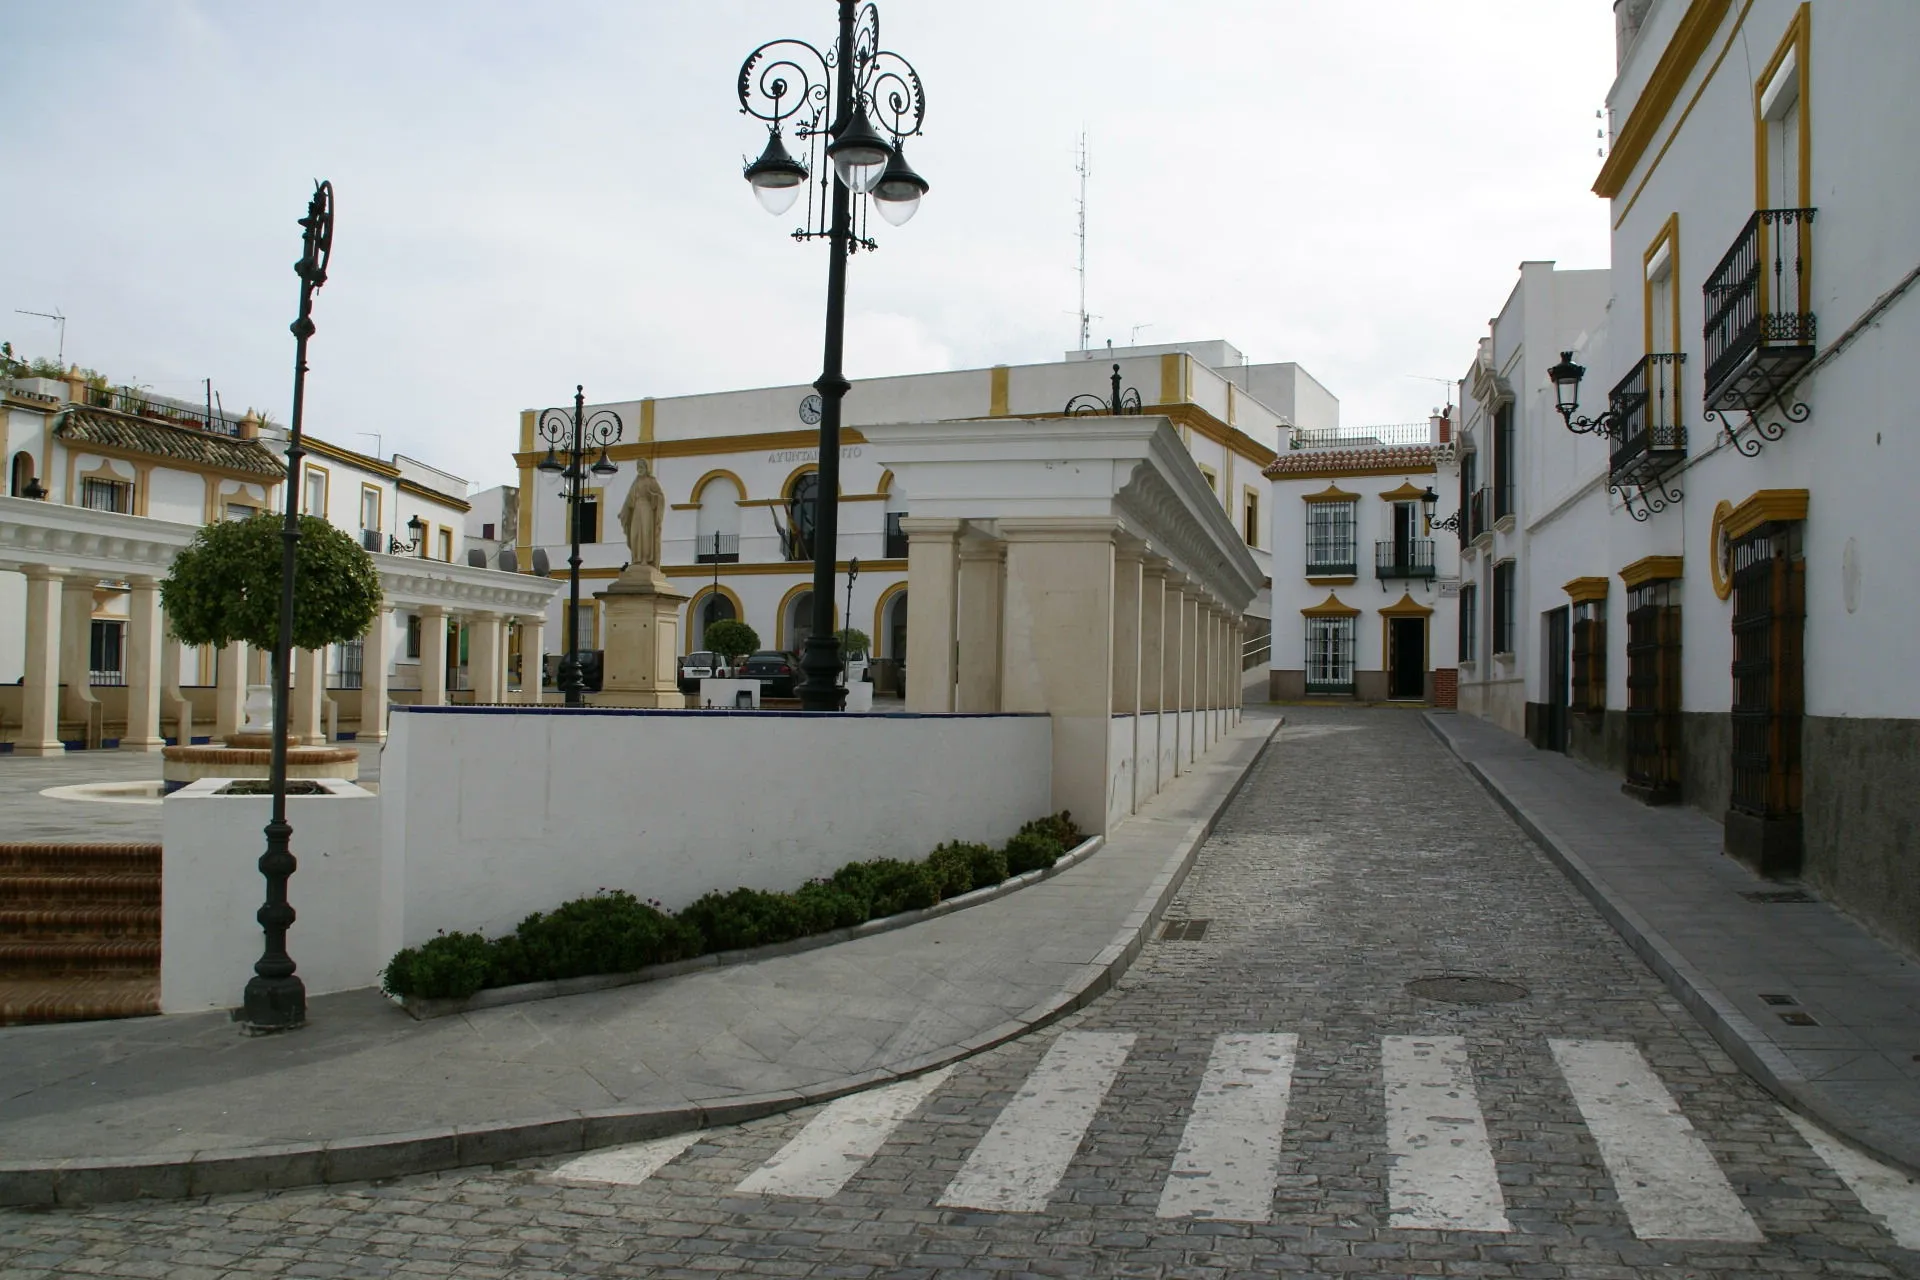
[853, 640]
[226, 585]
[730, 638]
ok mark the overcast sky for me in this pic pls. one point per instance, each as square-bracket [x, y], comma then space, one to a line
[534, 195]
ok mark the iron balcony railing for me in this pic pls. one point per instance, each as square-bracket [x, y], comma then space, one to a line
[1398, 433]
[372, 540]
[1403, 558]
[718, 548]
[1650, 435]
[896, 541]
[1759, 305]
[128, 401]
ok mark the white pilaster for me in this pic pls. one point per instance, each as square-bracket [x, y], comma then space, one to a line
[230, 690]
[142, 655]
[533, 639]
[433, 655]
[307, 724]
[375, 656]
[486, 656]
[78, 703]
[982, 575]
[40, 732]
[932, 615]
[1126, 652]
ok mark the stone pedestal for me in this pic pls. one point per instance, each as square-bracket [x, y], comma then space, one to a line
[641, 630]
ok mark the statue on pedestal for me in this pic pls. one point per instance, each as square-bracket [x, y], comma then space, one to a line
[642, 516]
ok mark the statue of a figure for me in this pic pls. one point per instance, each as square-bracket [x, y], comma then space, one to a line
[642, 515]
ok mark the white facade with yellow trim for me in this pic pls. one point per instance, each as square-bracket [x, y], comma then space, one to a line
[729, 462]
[1743, 529]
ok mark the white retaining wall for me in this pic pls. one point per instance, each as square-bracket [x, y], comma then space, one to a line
[211, 886]
[491, 813]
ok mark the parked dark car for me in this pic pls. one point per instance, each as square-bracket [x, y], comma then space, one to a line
[776, 671]
[699, 665]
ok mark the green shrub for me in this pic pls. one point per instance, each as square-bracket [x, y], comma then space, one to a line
[857, 879]
[451, 966]
[745, 918]
[1058, 827]
[1031, 851]
[606, 933]
[989, 864]
[902, 886]
[952, 866]
[825, 907]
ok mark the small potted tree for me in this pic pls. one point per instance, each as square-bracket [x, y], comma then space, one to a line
[731, 639]
[226, 586]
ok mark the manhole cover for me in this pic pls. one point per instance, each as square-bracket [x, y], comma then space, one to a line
[1466, 989]
[1185, 930]
[1778, 895]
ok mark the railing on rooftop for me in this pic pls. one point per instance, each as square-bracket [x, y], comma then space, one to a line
[1398, 433]
[127, 401]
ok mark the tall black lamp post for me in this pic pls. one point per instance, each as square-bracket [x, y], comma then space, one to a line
[276, 999]
[833, 100]
[572, 436]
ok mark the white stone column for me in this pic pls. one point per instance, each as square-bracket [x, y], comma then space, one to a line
[40, 730]
[932, 615]
[229, 690]
[433, 655]
[77, 702]
[982, 574]
[142, 654]
[375, 655]
[1173, 670]
[174, 705]
[486, 658]
[1204, 676]
[308, 691]
[1126, 655]
[1153, 678]
[1240, 670]
[1190, 691]
[533, 667]
[1058, 649]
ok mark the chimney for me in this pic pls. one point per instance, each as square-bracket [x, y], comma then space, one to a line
[1628, 17]
[1443, 427]
[250, 426]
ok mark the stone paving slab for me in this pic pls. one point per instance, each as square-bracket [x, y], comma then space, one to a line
[177, 1105]
[1659, 876]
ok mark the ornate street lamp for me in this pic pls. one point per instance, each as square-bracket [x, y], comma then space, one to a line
[1566, 378]
[275, 998]
[832, 100]
[418, 528]
[1429, 499]
[572, 436]
[1086, 403]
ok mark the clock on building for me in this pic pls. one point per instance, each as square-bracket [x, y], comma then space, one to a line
[810, 410]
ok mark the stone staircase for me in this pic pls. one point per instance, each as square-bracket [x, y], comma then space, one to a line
[79, 931]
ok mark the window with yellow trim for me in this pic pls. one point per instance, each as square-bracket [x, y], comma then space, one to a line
[446, 545]
[1250, 518]
[313, 486]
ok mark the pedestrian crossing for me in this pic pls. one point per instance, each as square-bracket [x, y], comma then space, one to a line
[1442, 1172]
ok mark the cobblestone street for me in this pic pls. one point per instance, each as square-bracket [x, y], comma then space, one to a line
[1262, 1095]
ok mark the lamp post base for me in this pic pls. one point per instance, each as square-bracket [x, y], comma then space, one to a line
[822, 690]
[274, 1004]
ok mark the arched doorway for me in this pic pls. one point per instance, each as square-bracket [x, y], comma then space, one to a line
[713, 607]
[893, 638]
[796, 620]
[22, 474]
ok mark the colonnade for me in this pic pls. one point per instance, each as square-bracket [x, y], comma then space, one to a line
[1078, 618]
[58, 688]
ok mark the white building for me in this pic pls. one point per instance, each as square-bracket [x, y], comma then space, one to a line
[105, 485]
[1718, 592]
[731, 464]
[1363, 591]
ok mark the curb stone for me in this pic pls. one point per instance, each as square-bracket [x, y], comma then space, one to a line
[376, 1156]
[1732, 1030]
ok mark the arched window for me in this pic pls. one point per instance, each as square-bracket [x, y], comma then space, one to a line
[797, 624]
[896, 548]
[717, 527]
[893, 638]
[715, 608]
[22, 475]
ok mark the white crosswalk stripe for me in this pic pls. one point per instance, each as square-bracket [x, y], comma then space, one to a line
[1229, 1157]
[1665, 1177]
[630, 1165]
[1442, 1176]
[836, 1143]
[1024, 1155]
[1887, 1194]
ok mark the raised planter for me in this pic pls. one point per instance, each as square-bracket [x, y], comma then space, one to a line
[520, 993]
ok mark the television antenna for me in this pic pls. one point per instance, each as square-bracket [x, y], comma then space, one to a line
[1082, 168]
[58, 319]
[1446, 382]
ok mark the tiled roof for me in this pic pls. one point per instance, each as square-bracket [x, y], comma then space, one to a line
[1308, 462]
[78, 424]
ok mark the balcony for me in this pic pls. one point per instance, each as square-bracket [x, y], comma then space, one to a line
[718, 548]
[1403, 558]
[896, 548]
[1331, 562]
[1650, 437]
[1479, 508]
[1759, 306]
[372, 540]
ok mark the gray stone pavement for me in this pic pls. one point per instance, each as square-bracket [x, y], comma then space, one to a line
[1361, 857]
[1658, 874]
[27, 814]
[180, 1104]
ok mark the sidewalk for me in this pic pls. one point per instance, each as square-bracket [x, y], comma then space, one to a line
[187, 1105]
[1658, 875]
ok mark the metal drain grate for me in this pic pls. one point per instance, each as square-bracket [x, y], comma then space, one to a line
[1778, 895]
[1460, 988]
[1774, 998]
[1798, 1019]
[1185, 931]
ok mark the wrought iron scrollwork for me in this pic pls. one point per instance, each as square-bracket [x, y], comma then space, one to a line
[1758, 432]
[1121, 402]
[1646, 498]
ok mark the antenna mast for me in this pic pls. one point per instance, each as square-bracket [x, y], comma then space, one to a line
[1081, 167]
